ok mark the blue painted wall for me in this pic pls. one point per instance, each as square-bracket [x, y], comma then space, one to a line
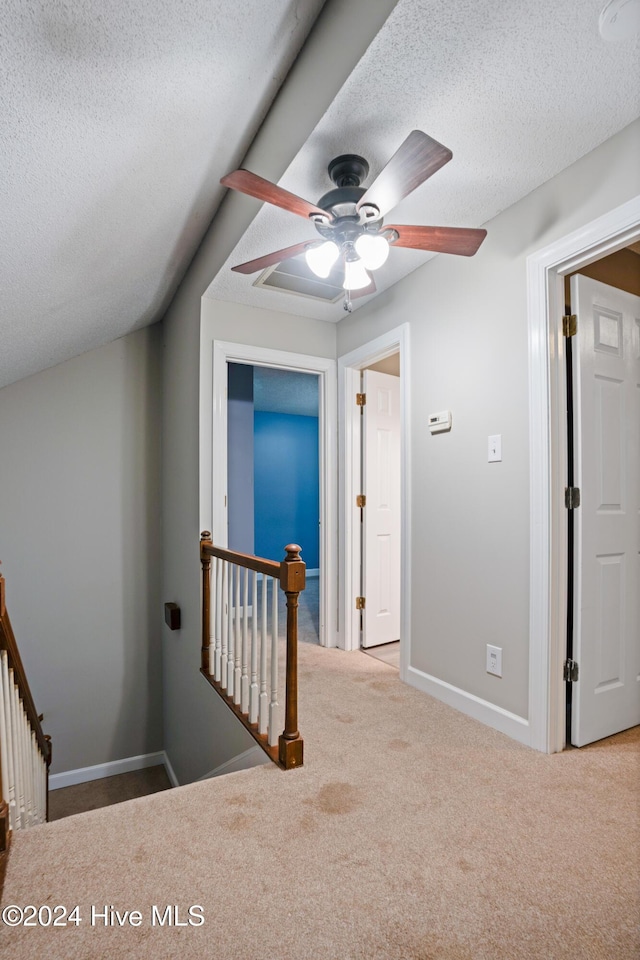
[240, 458]
[286, 485]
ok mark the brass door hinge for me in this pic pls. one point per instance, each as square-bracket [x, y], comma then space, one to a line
[361, 399]
[360, 603]
[570, 671]
[571, 497]
[361, 500]
[569, 325]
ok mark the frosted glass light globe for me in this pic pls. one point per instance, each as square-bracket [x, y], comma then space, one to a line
[373, 250]
[320, 259]
[355, 275]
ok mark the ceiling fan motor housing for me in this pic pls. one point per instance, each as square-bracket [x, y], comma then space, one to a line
[349, 170]
[346, 223]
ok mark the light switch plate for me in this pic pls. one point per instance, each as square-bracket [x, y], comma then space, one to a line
[495, 448]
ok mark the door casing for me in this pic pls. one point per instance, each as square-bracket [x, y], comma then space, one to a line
[548, 459]
[216, 467]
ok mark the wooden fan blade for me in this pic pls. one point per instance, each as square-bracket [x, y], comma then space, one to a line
[414, 162]
[246, 182]
[461, 240]
[260, 263]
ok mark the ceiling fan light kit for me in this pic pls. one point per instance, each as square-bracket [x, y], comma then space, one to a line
[373, 249]
[349, 218]
[320, 258]
[355, 275]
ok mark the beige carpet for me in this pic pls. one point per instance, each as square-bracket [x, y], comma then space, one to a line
[412, 833]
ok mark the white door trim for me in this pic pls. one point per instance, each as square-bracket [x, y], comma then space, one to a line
[349, 366]
[547, 445]
[225, 352]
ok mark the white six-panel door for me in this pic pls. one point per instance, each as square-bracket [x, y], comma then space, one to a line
[606, 697]
[381, 520]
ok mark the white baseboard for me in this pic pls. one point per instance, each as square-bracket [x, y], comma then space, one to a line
[493, 716]
[84, 774]
[170, 771]
[315, 572]
[253, 757]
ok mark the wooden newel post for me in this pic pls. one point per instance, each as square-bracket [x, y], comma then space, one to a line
[205, 560]
[292, 581]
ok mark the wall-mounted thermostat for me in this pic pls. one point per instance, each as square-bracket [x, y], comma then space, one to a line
[439, 422]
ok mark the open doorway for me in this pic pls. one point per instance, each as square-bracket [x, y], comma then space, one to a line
[374, 492]
[273, 477]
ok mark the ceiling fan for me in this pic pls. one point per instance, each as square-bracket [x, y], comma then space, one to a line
[349, 218]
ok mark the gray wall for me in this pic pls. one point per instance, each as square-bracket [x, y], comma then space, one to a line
[80, 544]
[470, 518]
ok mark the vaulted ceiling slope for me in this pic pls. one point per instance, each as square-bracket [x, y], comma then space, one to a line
[117, 121]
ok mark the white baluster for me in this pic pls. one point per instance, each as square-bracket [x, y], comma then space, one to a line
[33, 756]
[244, 682]
[273, 706]
[4, 748]
[263, 711]
[253, 689]
[224, 613]
[23, 725]
[218, 620]
[212, 617]
[232, 636]
[28, 785]
[17, 753]
[33, 808]
[39, 785]
[43, 788]
[35, 765]
[11, 752]
[237, 673]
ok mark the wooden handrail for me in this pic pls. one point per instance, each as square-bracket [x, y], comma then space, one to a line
[290, 573]
[8, 643]
[270, 568]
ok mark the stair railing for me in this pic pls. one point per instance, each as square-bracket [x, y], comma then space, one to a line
[25, 752]
[240, 649]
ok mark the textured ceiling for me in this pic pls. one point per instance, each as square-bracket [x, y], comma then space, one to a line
[517, 91]
[117, 121]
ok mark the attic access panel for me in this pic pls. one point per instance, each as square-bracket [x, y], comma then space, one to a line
[294, 276]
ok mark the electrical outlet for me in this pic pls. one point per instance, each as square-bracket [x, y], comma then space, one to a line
[494, 660]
